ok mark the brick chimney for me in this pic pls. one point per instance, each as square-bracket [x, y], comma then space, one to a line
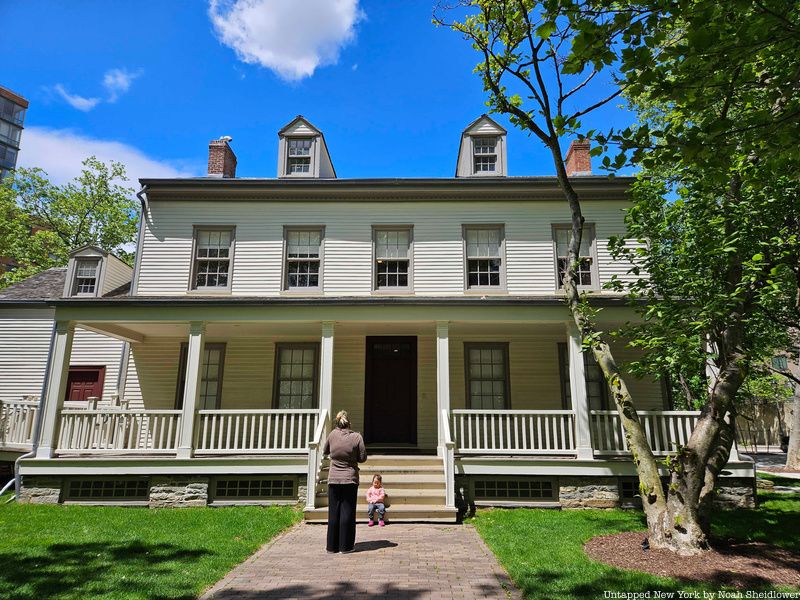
[221, 159]
[578, 162]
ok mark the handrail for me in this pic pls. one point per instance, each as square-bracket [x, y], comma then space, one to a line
[258, 411]
[666, 413]
[315, 459]
[664, 430]
[255, 431]
[520, 432]
[448, 458]
[480, 411]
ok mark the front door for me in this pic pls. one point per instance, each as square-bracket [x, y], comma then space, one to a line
[390, 398]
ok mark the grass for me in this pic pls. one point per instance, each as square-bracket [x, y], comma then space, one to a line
[778, 480]
[73, 551]
[542, 550]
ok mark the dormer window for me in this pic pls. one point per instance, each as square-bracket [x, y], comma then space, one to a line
[86, 272]
[484, 151]
[299, 156]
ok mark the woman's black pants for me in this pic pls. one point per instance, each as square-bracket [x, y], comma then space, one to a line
[342, 517]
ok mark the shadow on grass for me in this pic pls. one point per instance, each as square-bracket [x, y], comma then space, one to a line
[93, 568]
[776, 521]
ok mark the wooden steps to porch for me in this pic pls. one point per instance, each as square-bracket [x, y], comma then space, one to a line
[415, 487]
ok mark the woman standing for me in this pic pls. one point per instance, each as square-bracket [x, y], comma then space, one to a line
[346, 449]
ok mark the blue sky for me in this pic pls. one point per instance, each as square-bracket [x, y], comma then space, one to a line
[150, 83]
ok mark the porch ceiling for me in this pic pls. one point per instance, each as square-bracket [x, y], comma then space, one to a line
[140, 331]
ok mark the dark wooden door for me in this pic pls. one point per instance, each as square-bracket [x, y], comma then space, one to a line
[84, 383]
[390, 398]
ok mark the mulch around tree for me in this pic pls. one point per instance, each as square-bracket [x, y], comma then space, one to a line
[731, 563]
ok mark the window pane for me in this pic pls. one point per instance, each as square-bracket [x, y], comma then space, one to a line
[296, 377]
[487, 382]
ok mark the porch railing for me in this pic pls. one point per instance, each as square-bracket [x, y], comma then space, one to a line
[263, 431]
[665, 430]
[118, 431]
[513, 431]
[17, 419]
[315, 455]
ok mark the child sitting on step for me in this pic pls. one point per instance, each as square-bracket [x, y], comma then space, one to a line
[375, 500]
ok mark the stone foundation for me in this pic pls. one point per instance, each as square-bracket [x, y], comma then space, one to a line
[588, 492]
[41, 490]
[302, 489]
[178, 492]
[734, 493]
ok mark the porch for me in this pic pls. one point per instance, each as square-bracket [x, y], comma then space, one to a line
[244, 398]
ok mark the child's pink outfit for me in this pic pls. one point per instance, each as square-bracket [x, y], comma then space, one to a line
[375, 497]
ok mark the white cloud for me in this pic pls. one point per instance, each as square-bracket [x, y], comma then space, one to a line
[75, 101]
[60, 153]
[118, 81]
[289, 37]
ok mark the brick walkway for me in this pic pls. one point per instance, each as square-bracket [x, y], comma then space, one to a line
[396, 562]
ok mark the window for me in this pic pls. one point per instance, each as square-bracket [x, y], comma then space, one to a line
[298, 161]
[392, 258]
[212, 258]
[303, 258]
[86, 272]
[108, 489]
[596, 387]
[484, 153]
[296, 376]
[513, 489]
[10, 133]
[484, 258]
[256, 488]
[487, 376]
[585, 276]
[210, 376]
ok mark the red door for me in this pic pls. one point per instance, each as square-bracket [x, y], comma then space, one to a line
[84, 383]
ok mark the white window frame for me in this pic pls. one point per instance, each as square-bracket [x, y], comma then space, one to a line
[193, 287]
[376, 229]
[476, 142]
[279, 347]
[97, 268]
[588, 228]
[312, 140]
[502, 256]
[287, 229]
[504, 348]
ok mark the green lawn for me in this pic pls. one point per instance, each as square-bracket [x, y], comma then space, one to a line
[115, 552]
[542, 549]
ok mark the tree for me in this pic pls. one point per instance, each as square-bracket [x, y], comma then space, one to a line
[40, 222]
[550, 52]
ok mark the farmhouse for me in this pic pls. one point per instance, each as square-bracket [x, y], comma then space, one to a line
[429, 309]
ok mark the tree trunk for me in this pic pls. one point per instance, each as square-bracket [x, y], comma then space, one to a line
[793, 454]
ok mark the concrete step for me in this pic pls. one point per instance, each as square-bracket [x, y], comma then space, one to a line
[400, 480]
[396, 498]
[396, 514]
[369, 470]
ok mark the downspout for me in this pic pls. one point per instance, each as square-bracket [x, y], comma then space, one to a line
[122, 378]
[37, 426]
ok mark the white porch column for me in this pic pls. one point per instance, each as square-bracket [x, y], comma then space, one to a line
[442, 375]
[191, 391]
[326, 368]
[57, 375]
[579, 397]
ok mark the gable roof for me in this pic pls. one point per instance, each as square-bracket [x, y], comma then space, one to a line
[294, 121]
[47, 285]
[485, 117]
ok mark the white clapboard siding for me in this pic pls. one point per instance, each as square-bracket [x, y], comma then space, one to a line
[24, 344]
[438, 243]
[93, 349]
[117, 273]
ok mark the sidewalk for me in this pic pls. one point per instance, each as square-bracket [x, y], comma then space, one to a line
[397, 562]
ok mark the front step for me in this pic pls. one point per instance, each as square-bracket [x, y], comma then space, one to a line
[415, 488]
[394, 514]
